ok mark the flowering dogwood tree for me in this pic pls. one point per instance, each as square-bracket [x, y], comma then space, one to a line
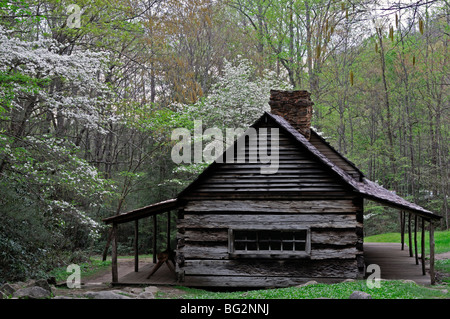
[44, 94]
[237, 99]
[64, 85]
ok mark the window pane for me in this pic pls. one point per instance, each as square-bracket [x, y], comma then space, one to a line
[251, 235]
[288, 245]
[264, 245]
[239, 235]
[275, 240]
[300, 246]
[275, 245]
[264, 235]
[239, 246]
[287, 235]
[251, 246]
[275, 236]
[300, 235]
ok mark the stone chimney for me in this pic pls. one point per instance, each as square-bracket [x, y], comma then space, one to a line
[295, 107]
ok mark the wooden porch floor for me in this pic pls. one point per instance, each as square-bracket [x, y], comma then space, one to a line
[395, 263]
[163, 276]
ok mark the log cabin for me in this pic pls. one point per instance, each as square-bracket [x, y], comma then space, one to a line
[241, 226]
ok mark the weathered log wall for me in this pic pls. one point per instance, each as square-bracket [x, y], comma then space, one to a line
[204, 259]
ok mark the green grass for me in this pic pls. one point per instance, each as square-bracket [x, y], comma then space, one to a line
[443, 266]
[441, 240]
[392, 289]
[90, 268]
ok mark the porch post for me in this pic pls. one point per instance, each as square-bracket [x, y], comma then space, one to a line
[115, 275]
[423, 246]
[136, 245]
[432, 275]
[155, 229]
[409, 236]
[168, 230]
[415, 238]
[402, 229]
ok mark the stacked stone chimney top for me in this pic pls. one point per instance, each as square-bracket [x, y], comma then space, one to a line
[295, 107]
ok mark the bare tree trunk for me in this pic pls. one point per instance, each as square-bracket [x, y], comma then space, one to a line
[391, 151]
[409, 122]
[309, 50]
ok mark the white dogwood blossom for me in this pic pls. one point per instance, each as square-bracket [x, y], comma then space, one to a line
[74, 85]
[238, 98]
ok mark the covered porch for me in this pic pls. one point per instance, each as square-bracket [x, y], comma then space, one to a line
[162, 270]
[406, 261]
[394, 263]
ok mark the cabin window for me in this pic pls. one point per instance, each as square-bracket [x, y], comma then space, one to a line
[269, 242]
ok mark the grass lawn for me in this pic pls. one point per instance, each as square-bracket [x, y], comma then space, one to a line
[389, 289]
[392, 289]
[443, 266]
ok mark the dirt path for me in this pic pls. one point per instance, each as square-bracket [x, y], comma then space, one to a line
[442, 256]
[125, 266]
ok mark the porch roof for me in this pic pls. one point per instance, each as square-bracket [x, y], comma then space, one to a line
[143, 212]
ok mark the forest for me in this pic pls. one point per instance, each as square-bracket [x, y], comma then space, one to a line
[90, 92]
